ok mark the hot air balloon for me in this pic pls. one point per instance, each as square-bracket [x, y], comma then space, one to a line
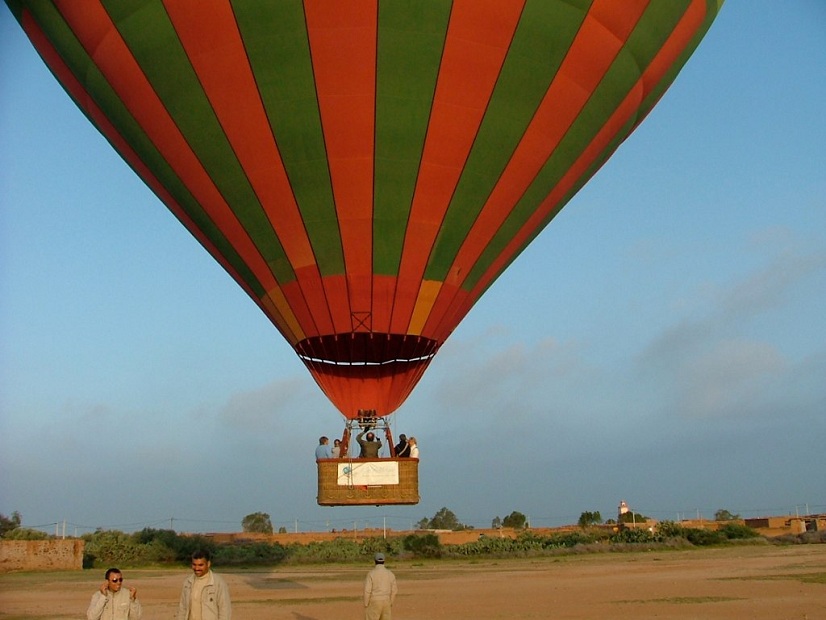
[365, 169]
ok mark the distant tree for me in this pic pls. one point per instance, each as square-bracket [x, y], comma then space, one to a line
[7, 524]
[725, 515]
[258, 522]
[516, 520]
[282, 530]
[444, 519]
[589, 518]
[632, 517]
[496, 523]
[24, 533]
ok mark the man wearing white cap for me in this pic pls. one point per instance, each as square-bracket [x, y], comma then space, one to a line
[379, 591]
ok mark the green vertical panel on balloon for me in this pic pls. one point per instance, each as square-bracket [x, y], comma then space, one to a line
[157, 49]
[539, 46]
[411, 38]
[275, 36]
[507, 233]
[650, 100]
[647, 39]
[712, 7]
[96, 85]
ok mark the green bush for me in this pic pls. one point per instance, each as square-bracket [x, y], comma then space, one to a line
[250, 554]
[423, 545]
[338, 550]
[568, 540]
[736, 531]
[112, 548]
[703, 538]
[492, 546]
[670, 529]
[633, 535]
[526, 544]
[151, 546]
[24, 533]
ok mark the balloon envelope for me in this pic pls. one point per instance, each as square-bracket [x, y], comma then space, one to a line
[365, 169]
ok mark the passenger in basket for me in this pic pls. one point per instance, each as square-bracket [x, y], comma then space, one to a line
[322, 451]
[336, 451]
[402, 448]
[369, 447]
[414, 448]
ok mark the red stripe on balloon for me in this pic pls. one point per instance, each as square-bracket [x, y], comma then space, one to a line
[478, 37]
[676, 44]
[590, 56]
[343, 46]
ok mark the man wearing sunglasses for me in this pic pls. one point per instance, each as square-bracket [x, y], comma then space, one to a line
[112, 602]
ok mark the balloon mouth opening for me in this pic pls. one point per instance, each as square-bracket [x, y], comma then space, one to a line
[366, 349]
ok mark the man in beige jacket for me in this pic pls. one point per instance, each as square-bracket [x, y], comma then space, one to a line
[114, 602]
[379, 591]
[205, 595]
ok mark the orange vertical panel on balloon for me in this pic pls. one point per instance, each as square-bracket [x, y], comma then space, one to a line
[335, 289]
[343, 47]
[384, 288]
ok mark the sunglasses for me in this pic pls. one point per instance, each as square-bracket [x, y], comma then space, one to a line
[116, 580]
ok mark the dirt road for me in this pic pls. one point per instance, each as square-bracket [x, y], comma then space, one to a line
[755, 582]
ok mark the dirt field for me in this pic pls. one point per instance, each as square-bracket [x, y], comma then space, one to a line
[752, 582]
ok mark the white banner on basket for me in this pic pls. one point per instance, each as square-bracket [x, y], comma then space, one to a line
[357, 473]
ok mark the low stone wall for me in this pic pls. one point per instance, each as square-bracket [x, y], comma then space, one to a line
[45, 555]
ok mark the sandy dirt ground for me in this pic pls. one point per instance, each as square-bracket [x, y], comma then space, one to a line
[752, 582]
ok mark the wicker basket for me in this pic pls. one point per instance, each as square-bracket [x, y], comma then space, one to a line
[347, 482]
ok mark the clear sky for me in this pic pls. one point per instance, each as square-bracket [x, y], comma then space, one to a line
[662, 342]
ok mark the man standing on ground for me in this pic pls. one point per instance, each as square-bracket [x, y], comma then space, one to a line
[112, 602]
[205, 595]
[379, 591]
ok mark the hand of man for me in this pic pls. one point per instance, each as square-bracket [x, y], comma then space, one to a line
[104, 588]
[133, 593]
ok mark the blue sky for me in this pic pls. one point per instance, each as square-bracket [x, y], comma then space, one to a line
[662, 342]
